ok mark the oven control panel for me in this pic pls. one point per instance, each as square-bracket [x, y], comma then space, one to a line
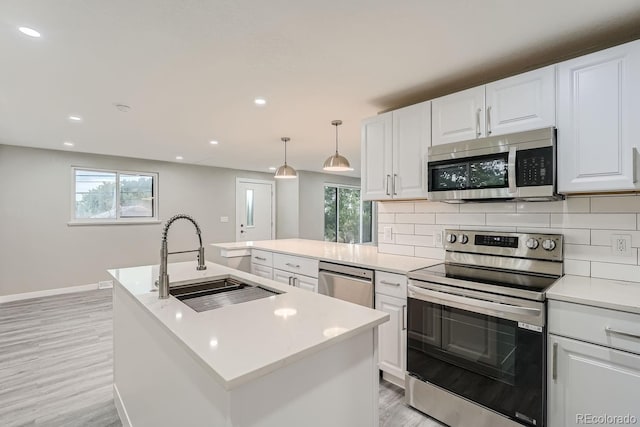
[522, 245]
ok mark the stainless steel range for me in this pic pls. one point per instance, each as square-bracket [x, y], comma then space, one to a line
[476, 329]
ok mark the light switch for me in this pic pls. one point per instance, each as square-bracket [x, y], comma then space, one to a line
[388, 234]
[224, 219]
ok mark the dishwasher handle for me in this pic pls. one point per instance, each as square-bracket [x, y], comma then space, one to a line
[339, 275]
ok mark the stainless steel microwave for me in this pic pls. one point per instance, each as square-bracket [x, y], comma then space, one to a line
[517, 166]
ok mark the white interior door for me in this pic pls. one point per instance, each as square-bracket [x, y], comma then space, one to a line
[255, 210]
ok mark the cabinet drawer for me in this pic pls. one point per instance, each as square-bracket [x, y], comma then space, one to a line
[261, 270]
[261, 257]
[394, 285]
[295, 264]
[610, 328]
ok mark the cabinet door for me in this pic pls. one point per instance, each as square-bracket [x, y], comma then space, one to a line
[282, 276]
[590, 379]
[392, 335]
[376, 145]
[523, 102]
[306, 282]
[411, 140]
[261, 270]
[598, 126]
[458, 117]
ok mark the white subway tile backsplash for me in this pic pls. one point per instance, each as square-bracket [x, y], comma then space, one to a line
[435, 253]
[586, 222]
[598, 253]
[404, 239]
[505, 207]
[570, 205]
[577, 267]
[415, 218]
[396, 249]
[526, 220]
[603, 237]
[619, 204]
[613, 221]
[395, 207]
[576, 236]
[387, 218]
[434, 207]
[615, 271]
[460, 219]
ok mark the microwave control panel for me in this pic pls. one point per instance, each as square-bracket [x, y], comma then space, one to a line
[534, 167]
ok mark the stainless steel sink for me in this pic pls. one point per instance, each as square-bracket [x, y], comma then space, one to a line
[212, 294]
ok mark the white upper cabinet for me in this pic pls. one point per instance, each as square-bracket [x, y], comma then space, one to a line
[376, 147]
[598, 125]
[515, 104]
[394, 153]
[458, 117]
[523, 102]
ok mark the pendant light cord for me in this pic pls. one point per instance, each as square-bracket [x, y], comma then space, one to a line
[285, 153]
[336, 139]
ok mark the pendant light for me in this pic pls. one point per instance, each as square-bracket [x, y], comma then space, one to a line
[285, 171]
[336, 162]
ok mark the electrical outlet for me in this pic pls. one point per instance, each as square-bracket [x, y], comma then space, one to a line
[437, 239]
[105, 284]
[388, 234]
[224, 219]
[621, 244]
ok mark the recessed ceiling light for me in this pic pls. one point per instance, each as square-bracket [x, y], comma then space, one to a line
[260, 101]
[272, 168]
[29, 31]
[214, 142]
[75, 118]
[68, 144]
[179, 157]
[123, 107]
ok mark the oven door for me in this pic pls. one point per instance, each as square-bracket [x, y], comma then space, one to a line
[487, 351]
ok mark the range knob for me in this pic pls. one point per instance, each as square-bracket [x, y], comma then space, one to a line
[463, 238]
[548, 244]
[451, 238]
[532, 243]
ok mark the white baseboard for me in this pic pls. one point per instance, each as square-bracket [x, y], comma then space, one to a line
[48, 292]
[122, 411]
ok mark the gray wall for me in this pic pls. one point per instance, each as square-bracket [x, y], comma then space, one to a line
[287, 202]
[40, 251]
[311, 201]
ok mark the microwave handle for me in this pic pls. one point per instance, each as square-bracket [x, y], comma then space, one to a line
[511, 170]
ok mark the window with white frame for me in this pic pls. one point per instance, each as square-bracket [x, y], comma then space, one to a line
[108, 196]
[347, 219]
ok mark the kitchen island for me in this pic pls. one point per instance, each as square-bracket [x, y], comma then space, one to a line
[296, 358]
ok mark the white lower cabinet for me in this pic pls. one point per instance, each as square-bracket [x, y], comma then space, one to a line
[298, 280]
[261, 270]
[391, 297]
[593, 373]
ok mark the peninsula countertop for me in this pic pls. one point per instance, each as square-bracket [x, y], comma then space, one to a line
[605, 293]
[244, 341]
[342, 253]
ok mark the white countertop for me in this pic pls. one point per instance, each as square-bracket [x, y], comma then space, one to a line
[613, 294]
[244, 341]
[342, 253]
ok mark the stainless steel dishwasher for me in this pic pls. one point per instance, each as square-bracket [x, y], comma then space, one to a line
[348, 283]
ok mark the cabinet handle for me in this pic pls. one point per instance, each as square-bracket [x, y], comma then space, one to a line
[395, 193]
[489, 120]
[260, 258]
[290, 280]
[293, 265]
[554, 362]
[635, 163]
[404, 317]
[386, 185]
[478, 132]
[611, 330]
[385, 282]
[296, 282]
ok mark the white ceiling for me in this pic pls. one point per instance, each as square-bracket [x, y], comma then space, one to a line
[190, 69]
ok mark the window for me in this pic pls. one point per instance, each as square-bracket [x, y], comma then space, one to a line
[347, 219]
[106, 196]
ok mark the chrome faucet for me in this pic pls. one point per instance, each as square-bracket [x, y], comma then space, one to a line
[163, 280]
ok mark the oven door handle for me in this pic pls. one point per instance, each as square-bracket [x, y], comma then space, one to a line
[471, 304]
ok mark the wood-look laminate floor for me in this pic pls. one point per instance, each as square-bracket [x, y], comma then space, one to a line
[56, 366]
